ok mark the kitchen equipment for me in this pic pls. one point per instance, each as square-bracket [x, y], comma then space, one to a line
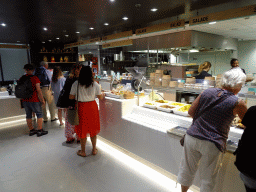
[138, 76]
[122, 58]
[116, 57]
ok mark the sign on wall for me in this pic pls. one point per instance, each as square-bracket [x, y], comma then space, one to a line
[224, 15]
[117, 44]
[161, 27]
[117, 36]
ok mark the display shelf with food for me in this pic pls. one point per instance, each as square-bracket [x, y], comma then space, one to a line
[150, 105]
[165, 108]
[162, 101]
[113, 95]
[122, 122]
[182, 110]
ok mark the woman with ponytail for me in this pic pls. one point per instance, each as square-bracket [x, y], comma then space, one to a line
[203, 70]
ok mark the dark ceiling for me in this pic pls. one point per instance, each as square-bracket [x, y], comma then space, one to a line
[25, 19]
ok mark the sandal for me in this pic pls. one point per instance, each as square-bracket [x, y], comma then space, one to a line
[79, 153]
[95, 152]
[70, 141]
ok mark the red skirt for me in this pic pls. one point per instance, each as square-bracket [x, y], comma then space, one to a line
[89, 119]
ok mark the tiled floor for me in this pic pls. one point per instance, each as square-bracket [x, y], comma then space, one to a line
[48, 164]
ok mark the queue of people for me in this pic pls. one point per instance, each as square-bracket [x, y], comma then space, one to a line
[61, 92]
[205, 140]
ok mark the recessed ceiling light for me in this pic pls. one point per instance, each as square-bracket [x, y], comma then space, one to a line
[43, 42]
[125, 18]
[3, 24]
[50, 40]
[91, 28]
[112, 0]
[77, 32]
[57, 38]
[106, 24]
[154, 9]
[18, 41]
[66, 35]
[213, 22]
[45, 29]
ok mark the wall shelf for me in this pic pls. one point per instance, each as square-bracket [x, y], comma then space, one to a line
[57, 53]
[60, 62]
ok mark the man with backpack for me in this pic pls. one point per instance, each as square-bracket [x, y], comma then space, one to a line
[28, 89]
[44, 76]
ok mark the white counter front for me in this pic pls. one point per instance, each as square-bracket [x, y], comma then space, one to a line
[143, 132]
[10, 107]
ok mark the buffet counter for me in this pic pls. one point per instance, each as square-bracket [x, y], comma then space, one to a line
[10, 106]
[154, 135]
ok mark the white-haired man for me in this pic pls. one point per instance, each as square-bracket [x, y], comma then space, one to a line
[45, 76]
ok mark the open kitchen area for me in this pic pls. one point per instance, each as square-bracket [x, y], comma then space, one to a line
[148, 59]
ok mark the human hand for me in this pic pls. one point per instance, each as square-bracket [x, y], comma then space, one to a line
[43, 103]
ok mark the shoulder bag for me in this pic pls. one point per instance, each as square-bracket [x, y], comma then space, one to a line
[73, 117]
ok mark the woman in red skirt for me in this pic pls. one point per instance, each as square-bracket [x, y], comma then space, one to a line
[85, 90]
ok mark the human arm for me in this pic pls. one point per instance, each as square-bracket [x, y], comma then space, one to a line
[40, 94]
[71, 97]
[194, 106]
[240, 109]
[101, 96]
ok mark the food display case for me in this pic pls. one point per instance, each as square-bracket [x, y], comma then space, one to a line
[152, 132]
[151, 126]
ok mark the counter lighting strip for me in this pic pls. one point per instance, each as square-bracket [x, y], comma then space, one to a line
[142, 169]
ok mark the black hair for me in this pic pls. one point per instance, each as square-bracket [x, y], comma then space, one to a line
[232, 61]
[86, 76]
[28, 67]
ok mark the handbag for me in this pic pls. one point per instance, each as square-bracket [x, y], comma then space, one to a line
[61, 100]
[73, 117]
[182, 140]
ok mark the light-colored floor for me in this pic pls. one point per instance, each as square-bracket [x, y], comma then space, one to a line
[48, 164]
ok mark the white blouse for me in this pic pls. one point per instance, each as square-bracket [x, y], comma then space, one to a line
[85, 94]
